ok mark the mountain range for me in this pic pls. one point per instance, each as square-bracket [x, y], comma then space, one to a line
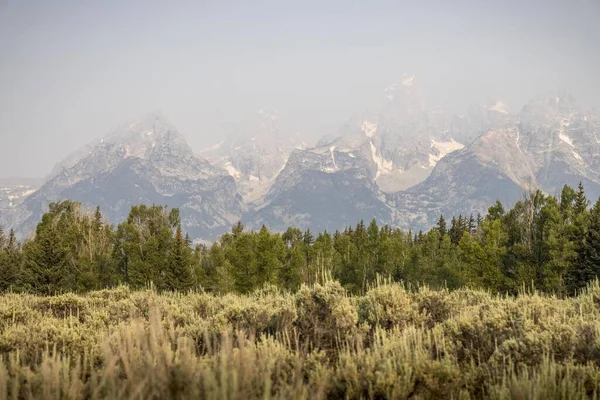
[402, 162]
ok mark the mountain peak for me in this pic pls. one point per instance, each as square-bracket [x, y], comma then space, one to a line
[406, 85]
[498, 106]
[550, 105]
[407, 80]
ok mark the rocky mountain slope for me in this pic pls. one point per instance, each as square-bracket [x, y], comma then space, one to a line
[402, 163]
[550, 143]
[14, 190]
[148, 162]
[255, 155]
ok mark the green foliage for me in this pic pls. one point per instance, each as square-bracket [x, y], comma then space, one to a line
[588, 260]
[545, 242]
[392, 342]
[325, 313]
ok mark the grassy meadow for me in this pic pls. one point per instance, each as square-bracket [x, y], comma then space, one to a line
[318, 343]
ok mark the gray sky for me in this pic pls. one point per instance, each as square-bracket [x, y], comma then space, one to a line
[70, 71]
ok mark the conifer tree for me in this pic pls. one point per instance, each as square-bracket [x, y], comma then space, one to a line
[308, 238]
[587, 266]
[472, 228]
[441, 226]
[496, 211]
[269, 256]
[97, 220]
[47, 260]
[581, 202]
[2, 238]
[479, 220]
[12, 245]
[179, 275]
[9, 264]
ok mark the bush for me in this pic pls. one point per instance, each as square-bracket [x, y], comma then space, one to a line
[325, 314]
[317, 343]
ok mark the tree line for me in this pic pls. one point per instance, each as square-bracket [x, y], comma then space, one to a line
[550, 242]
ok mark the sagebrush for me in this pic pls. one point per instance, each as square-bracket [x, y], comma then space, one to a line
[316, 343]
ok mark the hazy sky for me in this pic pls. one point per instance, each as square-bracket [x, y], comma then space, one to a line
[70, 71]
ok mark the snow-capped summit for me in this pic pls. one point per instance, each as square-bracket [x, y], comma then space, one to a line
[500, 107]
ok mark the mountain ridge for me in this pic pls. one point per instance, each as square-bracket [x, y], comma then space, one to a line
[402, 163]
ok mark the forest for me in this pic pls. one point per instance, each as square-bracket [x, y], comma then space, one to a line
[500, 306]
[548, 243]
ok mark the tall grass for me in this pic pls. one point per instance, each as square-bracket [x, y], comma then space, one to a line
[317, 343]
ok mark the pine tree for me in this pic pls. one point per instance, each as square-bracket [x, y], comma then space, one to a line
[179, 275]
[12, 245]
[472, 228]
[308, 238]
[270, 251]
[496, 211]
[479, 220]
[441, 227]
[587, 266]
[2, 238]
[238, 229]
[581, 202]
[455, 230]
[97, 220]
[11, 277]
[47, 260]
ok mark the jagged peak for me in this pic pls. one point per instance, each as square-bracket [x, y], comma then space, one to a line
[406, 84]
[560, 101]
[498, 106]
[153, 123]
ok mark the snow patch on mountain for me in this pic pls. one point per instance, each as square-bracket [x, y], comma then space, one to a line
[331, 150]
[500, 107]
[566, 139]
[442, 148]
[577, 156]
[383, 166]
[369, 128]
[231, 170]
[214, 147]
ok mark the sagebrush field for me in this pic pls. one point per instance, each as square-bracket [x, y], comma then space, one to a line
[392, 342]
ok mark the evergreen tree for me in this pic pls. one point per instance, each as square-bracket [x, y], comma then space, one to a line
[47, 260]
[471, 227]
[308, 238]
[496, 211]
[10, 263]
[479, 220]
[581, 202]
[179, 275]
[587, 266]
[441, 226]
[270, 253]
[98, 223]
[12, 245]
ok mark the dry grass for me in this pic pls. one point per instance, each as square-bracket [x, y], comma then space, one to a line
[318, 343]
